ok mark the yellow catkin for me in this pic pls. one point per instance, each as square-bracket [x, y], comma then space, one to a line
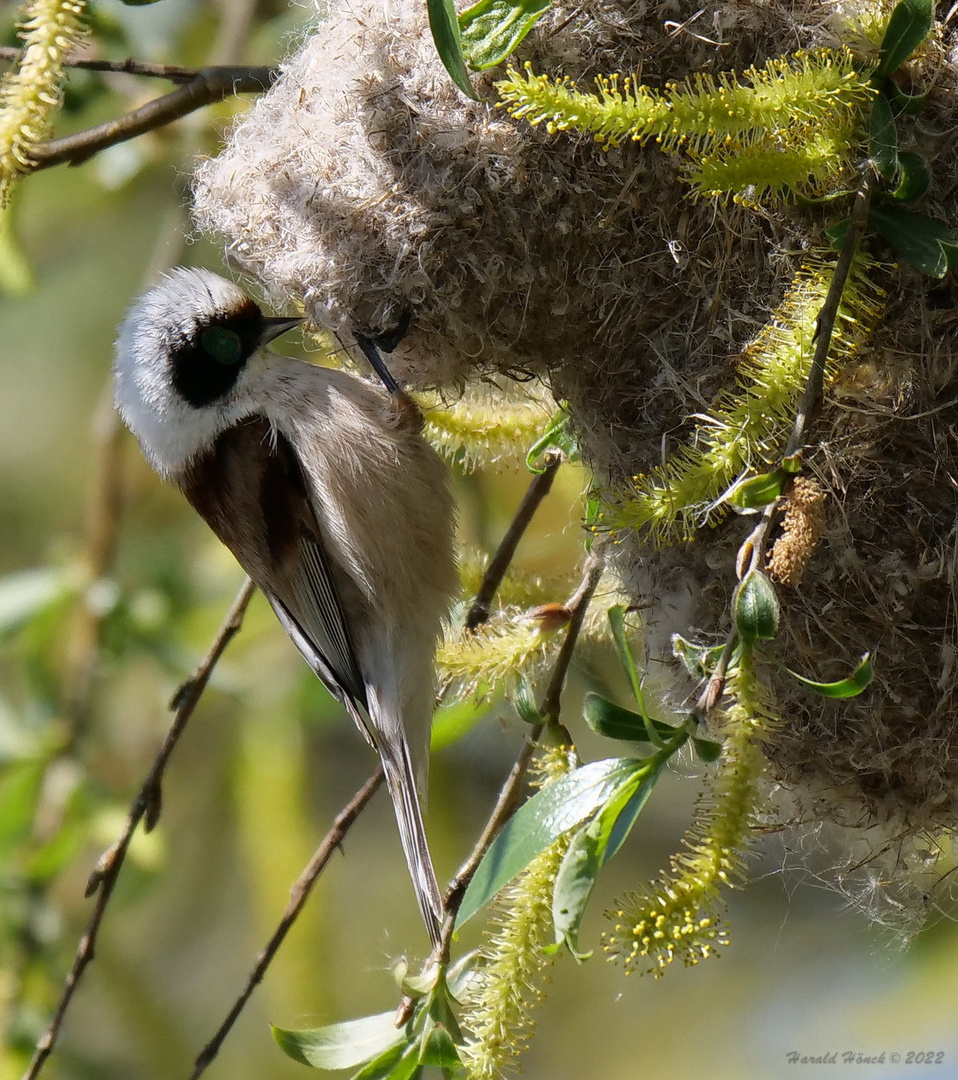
[680, 915]
[522, 637]
[30, 95]
[508, 981]
[747, 427]
[488, 658]
[486, 426]
[786, 103]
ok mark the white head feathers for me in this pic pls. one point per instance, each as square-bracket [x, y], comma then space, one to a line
[167, 321]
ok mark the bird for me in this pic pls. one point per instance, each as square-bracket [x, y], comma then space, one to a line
[324, 489]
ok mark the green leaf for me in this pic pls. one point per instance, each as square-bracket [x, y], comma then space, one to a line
[909, 25]
[836, 234]
[440, 1012]
[914, 176]
[699, 660]
[755, 608]
[615, 722]
[593, 846]
[492, 29]
[554, 810]
[415, 986]
[460, 976]
[342, 1046]
[883, 139]
[525, 702]
[445, 33]
[399, 1063]
[707, 749]
[386, 1065]
[559, 435]
[616, 616]
[928, 245]
[844, 688]
[912, 104]
[757, 491]
[439, 1049]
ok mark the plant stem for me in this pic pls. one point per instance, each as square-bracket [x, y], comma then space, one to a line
[146, 806]
[297, 898]
[539, 487]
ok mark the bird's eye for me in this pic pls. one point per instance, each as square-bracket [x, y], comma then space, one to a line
[223, 345]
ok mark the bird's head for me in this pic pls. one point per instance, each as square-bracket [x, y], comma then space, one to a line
[188, 356]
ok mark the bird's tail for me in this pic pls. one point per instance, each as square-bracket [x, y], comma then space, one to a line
[401, 782]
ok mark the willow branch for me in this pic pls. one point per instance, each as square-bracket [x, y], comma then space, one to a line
[825, 327]
[505, 806]
[751, 554]
[204, 87]
[145, 807]
[509, 795]
[297, 898]
[578, 606]
[119, 67]
[539, 487]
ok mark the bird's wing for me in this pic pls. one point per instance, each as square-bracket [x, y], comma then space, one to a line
[251, 491]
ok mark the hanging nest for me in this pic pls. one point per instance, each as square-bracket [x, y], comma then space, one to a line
[366, 187]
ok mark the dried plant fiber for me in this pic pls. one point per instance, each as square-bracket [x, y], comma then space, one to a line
[365, 187]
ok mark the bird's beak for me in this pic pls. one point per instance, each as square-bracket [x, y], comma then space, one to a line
[272, 328]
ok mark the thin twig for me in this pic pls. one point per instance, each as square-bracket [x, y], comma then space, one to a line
[505, 806]
[578, 606]
[120, 67]
[297, 897]
[538, 489]
[208, 85]
[146, 806]
[825, 326]
[508, 799]
[204, 86]
[751, 553]
[185, 699]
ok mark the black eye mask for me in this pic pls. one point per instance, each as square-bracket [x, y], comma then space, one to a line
[207, 362]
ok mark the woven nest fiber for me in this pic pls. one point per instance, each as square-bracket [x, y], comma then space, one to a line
[365, 186]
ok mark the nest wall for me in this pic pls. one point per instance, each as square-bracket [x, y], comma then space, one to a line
[366, 187]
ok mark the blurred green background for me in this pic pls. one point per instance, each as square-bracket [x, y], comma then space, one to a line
[86, 670]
